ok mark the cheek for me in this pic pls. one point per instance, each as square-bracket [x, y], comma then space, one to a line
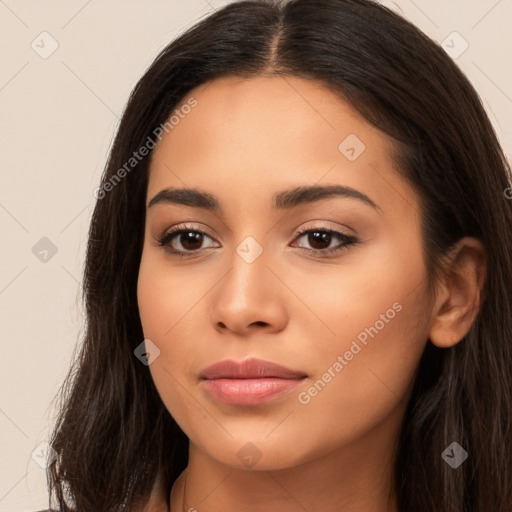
[359, 385]
[167, 296]
[169, 301]
[373, 291]
[374, 328]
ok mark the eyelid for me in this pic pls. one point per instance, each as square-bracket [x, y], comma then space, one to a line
[322, 226]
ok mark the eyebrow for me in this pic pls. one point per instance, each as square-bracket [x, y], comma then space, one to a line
[283, 200]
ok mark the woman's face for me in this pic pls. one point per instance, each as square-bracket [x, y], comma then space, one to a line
[348, 310]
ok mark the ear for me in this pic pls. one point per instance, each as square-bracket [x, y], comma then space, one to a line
[459, 293]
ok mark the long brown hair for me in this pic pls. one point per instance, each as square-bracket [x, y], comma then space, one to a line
[114, 435]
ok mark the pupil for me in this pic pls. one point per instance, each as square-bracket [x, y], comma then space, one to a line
[320, 237]
[191, 238]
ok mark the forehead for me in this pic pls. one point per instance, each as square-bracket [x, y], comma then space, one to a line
[275, 113]
[270, 133]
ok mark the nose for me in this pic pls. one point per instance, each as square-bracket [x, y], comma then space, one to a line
[250, 298]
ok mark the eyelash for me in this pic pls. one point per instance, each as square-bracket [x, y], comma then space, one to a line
[346, 240]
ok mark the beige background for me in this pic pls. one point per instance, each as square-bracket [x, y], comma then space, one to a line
[58, 116]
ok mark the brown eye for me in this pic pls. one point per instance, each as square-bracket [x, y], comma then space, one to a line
[320, 240]
[190, 240]
[183, 240]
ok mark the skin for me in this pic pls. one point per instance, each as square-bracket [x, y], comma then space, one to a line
[244, 141]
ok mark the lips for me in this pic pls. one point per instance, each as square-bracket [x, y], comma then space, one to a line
[249, 369]
[250, 382]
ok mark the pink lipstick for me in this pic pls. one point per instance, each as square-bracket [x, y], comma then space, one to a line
[249, 382]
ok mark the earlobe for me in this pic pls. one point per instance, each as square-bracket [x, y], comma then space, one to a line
[459, 293]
